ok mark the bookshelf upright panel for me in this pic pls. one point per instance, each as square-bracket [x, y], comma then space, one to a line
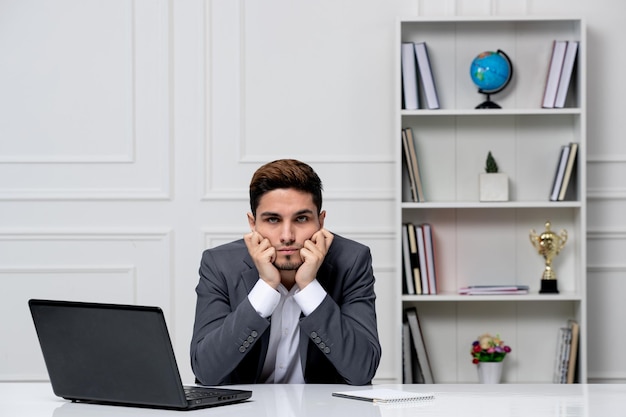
[480, 243]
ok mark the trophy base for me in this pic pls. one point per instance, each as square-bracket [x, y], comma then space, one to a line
[548, 286]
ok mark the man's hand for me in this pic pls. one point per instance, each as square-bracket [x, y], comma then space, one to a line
[313, 254]
[263, 254]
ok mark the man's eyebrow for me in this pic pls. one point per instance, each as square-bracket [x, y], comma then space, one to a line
[297, 213]
[269, 214]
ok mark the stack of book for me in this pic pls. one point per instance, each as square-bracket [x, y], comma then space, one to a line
[415, 60]
[565, 169]
[494, 290]
[566, 353]
[416, 365]
[559, 73]
[418, 257]
[412, 165]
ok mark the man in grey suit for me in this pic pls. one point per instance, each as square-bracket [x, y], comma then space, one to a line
[290, 302]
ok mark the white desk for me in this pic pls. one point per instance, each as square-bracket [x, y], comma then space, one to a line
[37, 400]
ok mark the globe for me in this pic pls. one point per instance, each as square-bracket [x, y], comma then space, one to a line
[491, 72]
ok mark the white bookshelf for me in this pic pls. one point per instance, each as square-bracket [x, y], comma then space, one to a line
[483, 242]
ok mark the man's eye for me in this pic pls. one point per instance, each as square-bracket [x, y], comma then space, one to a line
[302, 219]
[272, 220]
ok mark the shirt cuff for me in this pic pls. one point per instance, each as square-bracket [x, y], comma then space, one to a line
[263, 298]
[310, 297]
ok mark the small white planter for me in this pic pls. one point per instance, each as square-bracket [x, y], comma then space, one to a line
[489, 372]
[494, 187]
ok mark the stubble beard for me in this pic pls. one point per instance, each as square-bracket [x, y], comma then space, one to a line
[288, 265]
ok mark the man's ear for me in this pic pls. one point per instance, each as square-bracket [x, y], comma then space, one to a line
[322, 216]
[251, 222]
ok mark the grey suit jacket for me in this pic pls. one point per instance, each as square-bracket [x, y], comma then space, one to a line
[338, 341]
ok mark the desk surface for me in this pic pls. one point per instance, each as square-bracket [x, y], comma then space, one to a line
[38, 400]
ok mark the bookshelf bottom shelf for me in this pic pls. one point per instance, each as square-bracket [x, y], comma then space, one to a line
[530, 328]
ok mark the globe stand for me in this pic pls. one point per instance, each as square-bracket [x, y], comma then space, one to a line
[487, 104]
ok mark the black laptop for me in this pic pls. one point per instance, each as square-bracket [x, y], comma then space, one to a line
[116, 354]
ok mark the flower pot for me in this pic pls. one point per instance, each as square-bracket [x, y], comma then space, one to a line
[489, 372]
[494, 187]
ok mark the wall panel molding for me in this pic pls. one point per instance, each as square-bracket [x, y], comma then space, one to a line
[101, 130]
[606, 168]
[123, 265]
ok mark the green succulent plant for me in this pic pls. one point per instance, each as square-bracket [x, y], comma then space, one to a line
[491, 165]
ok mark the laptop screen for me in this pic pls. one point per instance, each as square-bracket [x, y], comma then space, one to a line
[108, 353]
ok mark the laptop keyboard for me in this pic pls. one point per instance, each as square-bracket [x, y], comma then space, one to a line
[193, 393]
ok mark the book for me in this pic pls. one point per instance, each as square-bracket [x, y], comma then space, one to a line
[496, 287]
[560, 173]
[406, 261]
[573, 353]
[409, 77]
[420, 346]
[569, 167]
[430, 258]
[421, 254]
[413, 373]
[566, 73]
[558, 356]
[427, 81]
[562, 355]
[565, 359]
[407, 357]
[384, 395]
[409, 166]
[554, 73]
[409, 352]
[414, 163]
[415, 263]
[494, 290]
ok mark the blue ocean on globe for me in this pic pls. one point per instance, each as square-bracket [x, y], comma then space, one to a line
[490, 71]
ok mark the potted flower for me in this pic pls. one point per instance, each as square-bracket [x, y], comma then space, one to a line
[488, 352]
[494, 185]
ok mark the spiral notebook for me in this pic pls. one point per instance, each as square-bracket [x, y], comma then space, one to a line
[384, 395]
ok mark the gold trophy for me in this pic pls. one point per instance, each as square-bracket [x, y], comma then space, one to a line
[548, 244]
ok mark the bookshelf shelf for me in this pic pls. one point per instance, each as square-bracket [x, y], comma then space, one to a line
[454, 297]
[491, 113]
[476, 242]
[484, 205]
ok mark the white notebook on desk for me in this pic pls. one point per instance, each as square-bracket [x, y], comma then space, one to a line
[384, 395]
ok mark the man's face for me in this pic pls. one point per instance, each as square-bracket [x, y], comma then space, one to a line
[287, 217]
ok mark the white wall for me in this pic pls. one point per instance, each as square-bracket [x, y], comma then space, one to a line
[129, 131]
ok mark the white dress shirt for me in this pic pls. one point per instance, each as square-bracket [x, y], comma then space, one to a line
[283, 363]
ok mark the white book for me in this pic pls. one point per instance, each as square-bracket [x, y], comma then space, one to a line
[566, 73]
[565, 359]
[569, 168]
[494, 289]
[426, 75]
[560, 173]
[558, 357]
[430, 258]
[409, 77]
[554, 73]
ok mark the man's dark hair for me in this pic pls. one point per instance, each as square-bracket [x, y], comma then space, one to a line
[284, 174]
